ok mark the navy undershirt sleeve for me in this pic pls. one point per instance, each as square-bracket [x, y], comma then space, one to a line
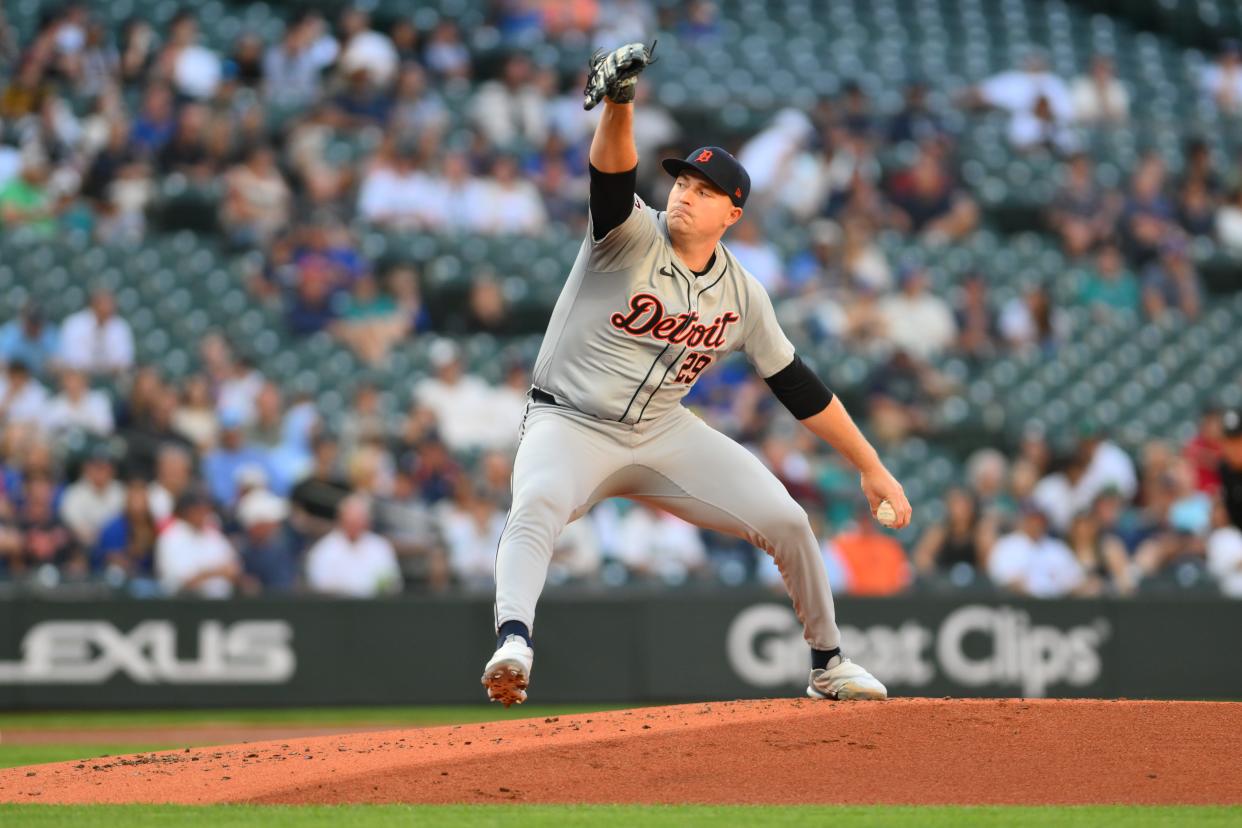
[612, 199]
[799, 389]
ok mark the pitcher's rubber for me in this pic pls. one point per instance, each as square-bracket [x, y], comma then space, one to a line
[784, 751]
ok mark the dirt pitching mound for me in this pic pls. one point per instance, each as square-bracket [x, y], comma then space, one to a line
[783, 751]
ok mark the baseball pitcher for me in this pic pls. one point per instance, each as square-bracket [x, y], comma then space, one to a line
[653, 300]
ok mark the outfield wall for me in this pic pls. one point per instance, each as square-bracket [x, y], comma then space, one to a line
[602, 647]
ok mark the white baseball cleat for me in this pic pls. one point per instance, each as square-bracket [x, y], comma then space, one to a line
[845, 680]
[508, 672]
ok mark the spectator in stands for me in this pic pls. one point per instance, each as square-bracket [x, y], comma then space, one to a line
[186, 151]
[1035, 98]
[174, 467]
[192, 556]
[292, 68]
[1222, 81]
[256, 200]
[460, 400]
[352, 561]
[758, 256]
[45, 538]
[127, 543]
[935, 206]
[916, 122]
[915, 319]
[446, 55]
[94, 500]
[874, 562]
[1031, 562]
[397, 193]
[513, 204]
[900, 392]
[30, 339]
[1184, 520]
[418, 111]
[471, 528]
[195, 418]
[1224, 551]
[1033, 321]
[311, 308]
[77, 408]
[1147, 218]
[1203, 450]
[1099, 97]
[511, 108]
[1109, 287]
[1231, 464]
[1172, 282]
[23, 399]
[1101, 555]
[27, 200]
[656, 545]
[977, 331]
[366, 50]
[244, 66]
[462, 196]
[96, 340]
[1228, 223]
[375, 319]
[220, 467]
[961, 541]
[1082, 213]
[269, 552]
[316, 498]
[194, 70]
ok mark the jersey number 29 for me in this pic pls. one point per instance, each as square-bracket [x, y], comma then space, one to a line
[692, 367]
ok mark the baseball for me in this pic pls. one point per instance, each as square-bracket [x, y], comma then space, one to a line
[885, 513]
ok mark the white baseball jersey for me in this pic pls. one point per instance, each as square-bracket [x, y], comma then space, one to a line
[634, 327]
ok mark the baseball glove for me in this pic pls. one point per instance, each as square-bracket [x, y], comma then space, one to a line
[615, 73]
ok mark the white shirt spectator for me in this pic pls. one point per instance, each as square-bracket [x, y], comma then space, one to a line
[1109, 468]
[183, 553]
[1018, 91]
[373, 52]
[514, 208]
[660, 544]
[762, 260]
[197, 72]
[1058, 499]
[1229, 227]
[1044, 568]
[1094, 104]
[1224, 559]
[364, 568]
[463, 204]
[89, 346]
[506, 115]
[472, 540]
[25, 404]
[922, 324]
[1223, 86]
[86, 509]
[462, 409]
[91, 412]
[399, 197]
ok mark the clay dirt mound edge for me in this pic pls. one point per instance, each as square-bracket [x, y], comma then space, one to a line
[786, 751]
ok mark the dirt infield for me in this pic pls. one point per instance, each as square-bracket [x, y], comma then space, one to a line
[910, 751]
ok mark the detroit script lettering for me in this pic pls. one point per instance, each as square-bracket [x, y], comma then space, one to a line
[646, 317]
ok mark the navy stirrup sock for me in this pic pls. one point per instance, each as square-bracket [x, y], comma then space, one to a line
[820, 658]
[513, 628]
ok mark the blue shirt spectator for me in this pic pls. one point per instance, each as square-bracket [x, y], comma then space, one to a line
[221, 465]
[29, 339]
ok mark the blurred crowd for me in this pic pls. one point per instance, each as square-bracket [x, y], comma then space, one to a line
[221, 483]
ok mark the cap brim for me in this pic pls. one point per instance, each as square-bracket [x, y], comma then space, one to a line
[676, 166]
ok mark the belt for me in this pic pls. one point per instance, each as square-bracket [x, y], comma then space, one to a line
[541, 396]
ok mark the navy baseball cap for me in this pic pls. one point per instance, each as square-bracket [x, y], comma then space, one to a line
[717, 166]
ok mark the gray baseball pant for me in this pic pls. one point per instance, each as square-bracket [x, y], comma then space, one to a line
[568, 461]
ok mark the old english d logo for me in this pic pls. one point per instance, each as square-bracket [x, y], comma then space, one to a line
[704, 156]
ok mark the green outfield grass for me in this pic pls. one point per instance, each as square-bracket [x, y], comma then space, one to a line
[135, 816]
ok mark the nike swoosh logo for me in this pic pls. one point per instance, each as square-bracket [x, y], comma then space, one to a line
[664, 271]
